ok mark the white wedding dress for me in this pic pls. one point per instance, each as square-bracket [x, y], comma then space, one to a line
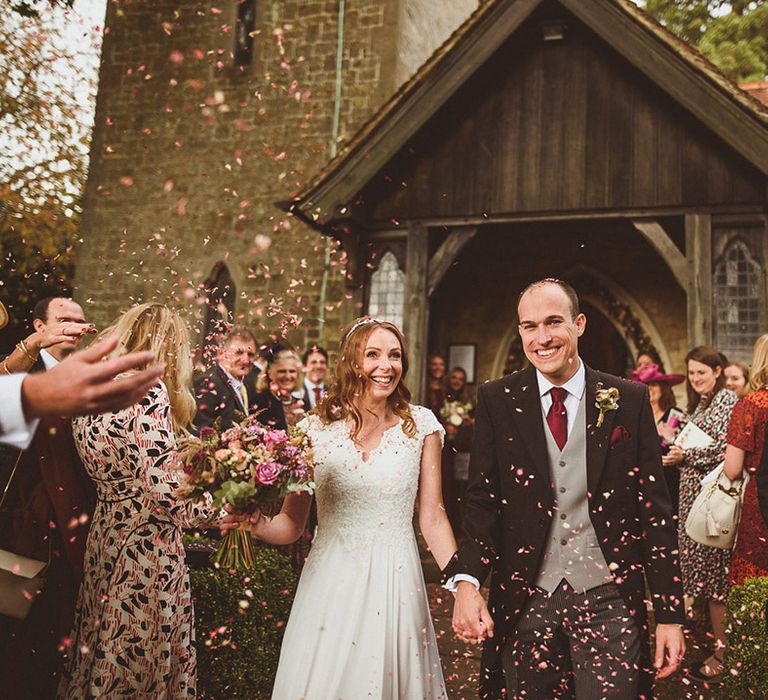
[360, 625]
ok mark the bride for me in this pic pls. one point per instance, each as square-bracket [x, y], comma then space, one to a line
[360, 625]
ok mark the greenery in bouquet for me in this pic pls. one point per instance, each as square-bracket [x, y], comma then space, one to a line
[456, 414]
[244, 467]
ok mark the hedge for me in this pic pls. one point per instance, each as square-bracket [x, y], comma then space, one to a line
[746, 662]
[239, 623]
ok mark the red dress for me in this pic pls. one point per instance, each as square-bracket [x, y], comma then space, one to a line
[747, 431]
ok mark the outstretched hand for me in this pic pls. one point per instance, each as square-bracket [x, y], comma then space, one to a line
[471, 620]
[83, 384]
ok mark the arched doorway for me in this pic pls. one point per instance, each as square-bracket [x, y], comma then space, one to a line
[601, 346]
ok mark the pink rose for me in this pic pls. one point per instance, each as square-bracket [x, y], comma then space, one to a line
[267, 473]
[222, 455]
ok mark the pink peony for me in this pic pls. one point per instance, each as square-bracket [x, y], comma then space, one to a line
[268, 473]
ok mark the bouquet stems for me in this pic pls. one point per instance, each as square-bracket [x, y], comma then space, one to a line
[237, 549]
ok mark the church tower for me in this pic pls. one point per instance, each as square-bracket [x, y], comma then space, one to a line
[210, 113]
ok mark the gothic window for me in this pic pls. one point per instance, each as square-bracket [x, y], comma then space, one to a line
[738, 298]
[244, 26]
[219, 308]
[388, 291]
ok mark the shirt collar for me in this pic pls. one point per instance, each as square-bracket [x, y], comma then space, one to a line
[574, 386]
[234, 382]
[312, 385]
[48, 360]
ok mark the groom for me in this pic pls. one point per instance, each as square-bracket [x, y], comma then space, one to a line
[567, 505]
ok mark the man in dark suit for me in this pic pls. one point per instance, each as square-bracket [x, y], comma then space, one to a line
[45, 516]
[315, 365]
[568, 506]
[222, 392]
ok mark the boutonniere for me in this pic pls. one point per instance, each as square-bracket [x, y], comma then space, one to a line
[606, 400]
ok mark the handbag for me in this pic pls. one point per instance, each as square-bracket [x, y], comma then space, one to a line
[21, 578]
[714, 517]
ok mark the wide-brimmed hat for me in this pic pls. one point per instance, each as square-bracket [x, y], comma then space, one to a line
[3, 316]
[650, 374]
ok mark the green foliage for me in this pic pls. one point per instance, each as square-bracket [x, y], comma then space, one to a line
[44, 137]
[239, 622]
[733, 35]
[747, 658]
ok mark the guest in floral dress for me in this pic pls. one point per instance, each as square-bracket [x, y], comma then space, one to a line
[704, 569]
[134, 624]
[746, 442]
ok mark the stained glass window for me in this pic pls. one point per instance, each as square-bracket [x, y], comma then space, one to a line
[738, 299]
[387, 298]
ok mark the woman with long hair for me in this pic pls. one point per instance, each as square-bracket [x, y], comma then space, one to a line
[704, 569]
[134, 626]
[360, 624]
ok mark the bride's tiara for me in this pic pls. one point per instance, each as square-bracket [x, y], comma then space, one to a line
[363, 322]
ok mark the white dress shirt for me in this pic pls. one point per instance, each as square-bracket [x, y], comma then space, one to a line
[575, 387]
[48, 360]
[235, 384]
[15, 430]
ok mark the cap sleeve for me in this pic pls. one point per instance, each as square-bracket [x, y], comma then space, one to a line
[426, 423]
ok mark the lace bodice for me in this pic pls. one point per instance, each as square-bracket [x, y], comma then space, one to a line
[363, 502]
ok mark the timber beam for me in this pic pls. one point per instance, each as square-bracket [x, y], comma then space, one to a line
[698, 251]
[663, 244]
[446, 255]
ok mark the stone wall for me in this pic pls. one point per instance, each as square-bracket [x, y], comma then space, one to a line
[190, 153]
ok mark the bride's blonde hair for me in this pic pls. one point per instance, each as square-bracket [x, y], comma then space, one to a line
[155, 327]
[350, 383]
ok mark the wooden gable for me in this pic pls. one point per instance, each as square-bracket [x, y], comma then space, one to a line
[559, 126]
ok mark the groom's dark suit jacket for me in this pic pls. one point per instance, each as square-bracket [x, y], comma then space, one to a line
[509, 506]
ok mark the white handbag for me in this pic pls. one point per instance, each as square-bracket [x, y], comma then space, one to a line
[715, 513]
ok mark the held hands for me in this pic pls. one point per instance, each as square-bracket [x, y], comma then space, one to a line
[670, 650]
[471, 620]
[674, 457]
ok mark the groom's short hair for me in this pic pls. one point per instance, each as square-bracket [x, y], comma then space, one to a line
[569, 291]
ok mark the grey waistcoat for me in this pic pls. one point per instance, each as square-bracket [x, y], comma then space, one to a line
[573, 552]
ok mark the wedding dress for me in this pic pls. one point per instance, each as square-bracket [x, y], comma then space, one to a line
[360, 625]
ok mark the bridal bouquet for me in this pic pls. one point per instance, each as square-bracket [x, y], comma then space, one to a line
[246, 467]
[456, 414]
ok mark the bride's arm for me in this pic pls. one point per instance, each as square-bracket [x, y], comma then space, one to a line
[286, 527]
[433, 520]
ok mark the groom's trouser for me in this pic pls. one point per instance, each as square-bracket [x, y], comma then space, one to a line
[574, 645]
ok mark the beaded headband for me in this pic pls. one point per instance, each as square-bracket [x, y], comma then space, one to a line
[363, 322]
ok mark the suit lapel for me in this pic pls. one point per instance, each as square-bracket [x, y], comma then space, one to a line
[234, 399]
[525, 407]
[598, 439]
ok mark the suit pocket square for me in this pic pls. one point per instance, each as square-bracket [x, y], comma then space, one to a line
[619, 434]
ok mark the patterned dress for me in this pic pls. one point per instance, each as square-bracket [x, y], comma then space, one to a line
[134, 624]
[747, 432]
[704, 569]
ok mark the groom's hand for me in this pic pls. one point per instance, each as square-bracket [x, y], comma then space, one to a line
[670, 649]
[471, 620]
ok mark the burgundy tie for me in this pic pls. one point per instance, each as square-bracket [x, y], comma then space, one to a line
[557, 417]
[318, 394]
